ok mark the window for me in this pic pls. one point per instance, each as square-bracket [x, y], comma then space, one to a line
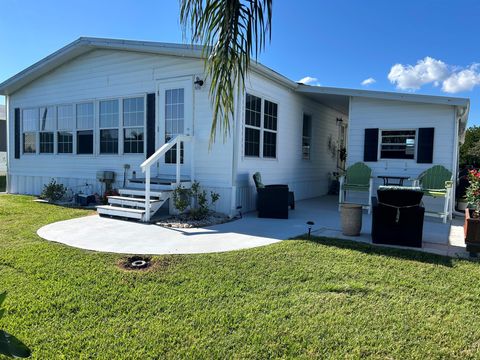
[133, 123]
[30, 128]
[270, 129]
[253, 115]
[260, 127]
[397, 144]
[66, 126]
[85, 125]
[306, 136]
[109, 121]
[174, 122]
[65, 142]
[47, 128]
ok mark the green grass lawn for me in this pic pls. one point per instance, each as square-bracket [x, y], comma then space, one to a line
[298, 298]
[3, 183]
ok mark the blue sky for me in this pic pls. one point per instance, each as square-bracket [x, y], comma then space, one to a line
[427, 47]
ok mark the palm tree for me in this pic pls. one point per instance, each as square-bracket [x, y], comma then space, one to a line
[231, 31]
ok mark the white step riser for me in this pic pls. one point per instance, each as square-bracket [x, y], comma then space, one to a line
[140, 203]
[141, 193]
[116, 211]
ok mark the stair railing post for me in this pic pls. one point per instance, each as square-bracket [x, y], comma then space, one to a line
[178, 161]
[147, 194]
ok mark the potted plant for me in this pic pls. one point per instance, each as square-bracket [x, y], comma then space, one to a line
[462, 203]
[471, 226]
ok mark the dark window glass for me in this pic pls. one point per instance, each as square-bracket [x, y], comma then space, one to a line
[253, 110]
[171, 155]
[269, 144]
[270, 115]
[306, 136]
[133, 141]
[29, 143]
[65, 142]
[252, 142]
[109, 141]
[46, 143]
[398, 144]
[85, 142]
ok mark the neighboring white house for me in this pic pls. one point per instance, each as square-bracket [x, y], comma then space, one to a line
[3, 141]
[102, 104]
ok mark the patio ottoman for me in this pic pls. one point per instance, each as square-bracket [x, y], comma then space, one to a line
[397, 217]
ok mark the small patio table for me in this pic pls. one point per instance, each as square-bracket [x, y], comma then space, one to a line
[393, 180]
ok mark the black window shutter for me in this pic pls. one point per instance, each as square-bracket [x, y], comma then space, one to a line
[150, 124]
[3, 135]
[370, 147]
[425, 145]
[17, 133]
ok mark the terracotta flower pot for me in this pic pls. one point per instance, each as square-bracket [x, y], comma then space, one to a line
[471, 228]
[351, 218]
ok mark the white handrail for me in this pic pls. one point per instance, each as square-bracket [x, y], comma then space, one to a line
[147, 164]
[163, 149]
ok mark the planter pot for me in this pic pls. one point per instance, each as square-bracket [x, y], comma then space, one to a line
[351, 218]
[471, 228]
[461, 205]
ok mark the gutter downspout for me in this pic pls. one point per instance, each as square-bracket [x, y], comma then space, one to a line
[235, 154]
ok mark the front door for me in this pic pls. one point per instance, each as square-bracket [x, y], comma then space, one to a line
[175, 117]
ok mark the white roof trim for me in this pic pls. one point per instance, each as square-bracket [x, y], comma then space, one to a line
[430, 99]
[86, 44]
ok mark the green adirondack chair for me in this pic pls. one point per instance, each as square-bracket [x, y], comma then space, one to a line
[437, 182]
[358, 178]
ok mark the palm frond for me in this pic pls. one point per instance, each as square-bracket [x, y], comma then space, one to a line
[231, 31]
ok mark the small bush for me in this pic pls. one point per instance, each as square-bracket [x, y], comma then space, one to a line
[195, 198]
[53, 191]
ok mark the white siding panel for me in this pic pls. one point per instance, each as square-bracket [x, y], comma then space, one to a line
[104, 74]
[307, 178]
[386, 114]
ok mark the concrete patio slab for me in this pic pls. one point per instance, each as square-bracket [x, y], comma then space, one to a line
[117, 236]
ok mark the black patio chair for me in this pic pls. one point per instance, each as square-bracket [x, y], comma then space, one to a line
[273, 200]
[397, 217]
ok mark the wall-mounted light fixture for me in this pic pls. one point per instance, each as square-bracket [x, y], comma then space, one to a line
[339, 120]
[198, 83]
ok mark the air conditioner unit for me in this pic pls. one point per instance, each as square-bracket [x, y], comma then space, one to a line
[106, 176]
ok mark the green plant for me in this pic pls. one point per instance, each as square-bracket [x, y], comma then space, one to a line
[53, 191]
[230, 32]
[196, 198]
[473, 191]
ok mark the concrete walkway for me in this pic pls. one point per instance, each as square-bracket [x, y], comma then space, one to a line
[117, 236]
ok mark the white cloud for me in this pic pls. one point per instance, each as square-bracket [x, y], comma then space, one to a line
[369, 81]
[308, 80]
[463, 80]
[453, 79]
[412, 77]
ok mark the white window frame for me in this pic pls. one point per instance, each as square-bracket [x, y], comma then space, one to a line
[100, 128]
[73, 131]
[123, 127]
[310, 138]
[36, 132]
[380, 143]
[261, 128]
[94, 127]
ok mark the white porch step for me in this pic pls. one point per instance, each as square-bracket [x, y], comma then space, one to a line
[129, 201]
[121, 212]
[141, 192]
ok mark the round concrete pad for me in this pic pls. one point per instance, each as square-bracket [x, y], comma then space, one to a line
[127, 237]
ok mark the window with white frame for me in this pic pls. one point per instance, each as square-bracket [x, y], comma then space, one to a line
[397, 144]
[108, 124]
[30, 129]
[260, 135]
[306, 136]
[66, 128]
[174, 121]
[85, 118]
[47, 130]
[133, 125]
